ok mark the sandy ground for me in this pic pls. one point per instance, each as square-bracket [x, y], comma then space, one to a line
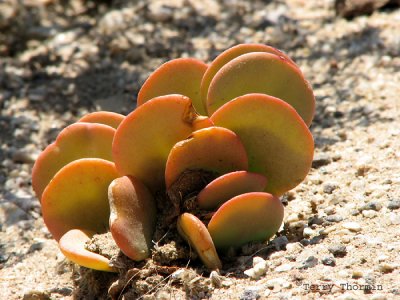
[59, 60]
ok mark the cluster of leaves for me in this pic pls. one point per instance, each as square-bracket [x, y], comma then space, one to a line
[235, 132]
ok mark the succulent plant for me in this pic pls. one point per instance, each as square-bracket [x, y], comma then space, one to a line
[220, 143]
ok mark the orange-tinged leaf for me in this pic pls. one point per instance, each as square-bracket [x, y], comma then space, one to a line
[230, 54]
[278, 143]
[197, 235]
[79, 140]
[202, 122]
[266, 73]
[76, 197]
[145, 137]
[214, 149]
[109, 118]
[132, 217]
[178, 76]
[246, 218]
[72, 245]
[228, 186]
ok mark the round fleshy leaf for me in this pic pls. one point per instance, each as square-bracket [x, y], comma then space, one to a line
[76, 197]
[132, 217]
[202, 122]
[228, 186]
[278, 143]
[265, 73]
[197, 235]
[109, 118]
[79, 140]
[72, 245]
[230, 54]
[246, 218]
[214, 149]
[145, 137]
[178, 76]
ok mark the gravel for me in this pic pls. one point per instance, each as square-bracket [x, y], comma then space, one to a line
[338, 250]
[394, 204]
[328, 261]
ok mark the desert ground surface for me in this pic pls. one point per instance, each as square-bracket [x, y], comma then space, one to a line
[62, 59]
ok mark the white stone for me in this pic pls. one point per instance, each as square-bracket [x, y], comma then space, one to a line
[250, 272]
[258, 270]
[369, 213]
[294, 247]
[257, 260]
[307, 232]
[292, 218]
[352, 226]
[284, 268]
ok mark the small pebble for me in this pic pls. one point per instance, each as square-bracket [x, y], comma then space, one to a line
[284, 268]
[363, 169]
[258, 260]
[356, 274]
[308, 232]
[386, 268]
[178, 275]
[275, 283]
[352, 226]
[23, 157]
[338, 250]
[394, 204]
[310, 262]
[159, 12]
[250, 294]
[328, 188]
[369, 213]
[259, 269]
[3, 257]
[227, 283]
[216, 279]
[294, 247]
[345, 239]
[395, 292]
[371, 206]
[292, 218]
[327, 230]
[35, 247]
[328, 261]
[280, 242]
[370, 279]
[333, 218]
[330, 210]
[321, 160]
